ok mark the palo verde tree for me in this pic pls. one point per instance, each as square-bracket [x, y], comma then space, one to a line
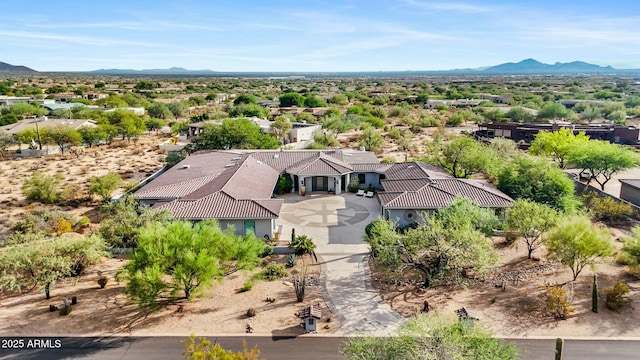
[281, 127]
[43, 261]
[42, 187]
[557, 144]
[104, 186]
[453, 239]
[371, 139]
[433, 337]
[602, 160]
[531, 221]
[177, 259]
[462, 156]
[233, 134]
[537, 180]
[576, 242]
[61, 135]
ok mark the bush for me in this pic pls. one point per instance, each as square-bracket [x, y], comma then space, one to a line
[46, 221]
[173, 158]
[284, 185]
[354, 185]
[42, 188]
[557, 303]
[616, 296]
[273, 272]
[606, 208]
[104, 186]
[247, 286]
[251, 312]
[302, 245]
[291, 260]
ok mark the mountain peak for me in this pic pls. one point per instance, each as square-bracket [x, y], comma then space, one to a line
[4, 67]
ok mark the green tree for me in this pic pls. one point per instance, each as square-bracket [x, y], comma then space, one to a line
[23, 109]
[284, 184]
[173, 158]
[281, 127]
[124, 218]
[8, 119]
[557, 144]
[178, 109]
[154, 124]
[92, 135]
[433, 337]
[618, 117]
[519, 114]
[233, 134]
[127, 123]
[26, 136]
[104, 186]
[532, 221]
[537, 180]
[602, 159]
[43, 188]
[313, 101]
[202, 349]
[112, 101]
[245, 99]
[6, 141]
[291, 99]
[250, 110]
[159, 111]
[462, 157]
[553, 110]
[110, 132]
[576, 243]
[451, 240]
[177, 259]
[44, 261]
[61, 135]
[371, 139]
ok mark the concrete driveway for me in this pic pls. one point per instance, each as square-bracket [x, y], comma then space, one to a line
[336, 224]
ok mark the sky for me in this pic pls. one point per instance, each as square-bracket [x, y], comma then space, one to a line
[315, 36]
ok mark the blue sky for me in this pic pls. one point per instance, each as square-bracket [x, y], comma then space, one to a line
[304, 35]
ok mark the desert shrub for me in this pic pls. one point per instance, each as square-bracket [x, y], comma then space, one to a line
[202, 348]
[616, 296]
[42, 188]
[630, 253]
[247, 286]
[291, 260]
[104, 186]
[557, 302]
[398, 111]
[354, 185]
[273, 271]
[251, 312]
[46, 221]
[606, 208]
[284, 185]
[394, 133]
[173, 158]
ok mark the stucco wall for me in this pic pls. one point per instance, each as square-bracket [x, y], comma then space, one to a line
[263, 226]
[399, 216]
[370, 178]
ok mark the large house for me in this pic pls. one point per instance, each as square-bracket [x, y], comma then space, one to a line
[236, 187]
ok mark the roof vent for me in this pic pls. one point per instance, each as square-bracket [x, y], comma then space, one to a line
[236, 158]
[230, 165]
[410, 166]
[362, 148]
[184, 167]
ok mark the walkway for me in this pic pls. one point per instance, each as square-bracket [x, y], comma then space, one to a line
[336, 224]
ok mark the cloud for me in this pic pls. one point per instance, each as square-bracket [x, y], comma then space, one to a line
[83, 40]
[126, 25]
[449, 6]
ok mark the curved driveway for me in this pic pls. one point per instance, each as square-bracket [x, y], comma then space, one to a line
[336, 224]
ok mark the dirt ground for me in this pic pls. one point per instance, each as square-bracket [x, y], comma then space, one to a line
[133, 160]
[219, 310]
[519, 311]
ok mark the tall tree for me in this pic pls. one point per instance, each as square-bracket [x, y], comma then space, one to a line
[61, 135]
[557, 144]
[291, 99]
[176, 260]
[233, 134]
[462, 156]
[451, 240]
[576, 242]
[281, 127]
[553, 110]
[371, 139]
[532, 221]
[602, 160]
[433, 337]
[92, 135]
[537, 180]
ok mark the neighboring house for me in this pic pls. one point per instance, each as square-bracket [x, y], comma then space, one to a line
[10, 100]
[525, 133]
[630, 190]
[412, 190]
[136, 110]
[43, 122]
[310, 317]
[236, 186]
[459, 103]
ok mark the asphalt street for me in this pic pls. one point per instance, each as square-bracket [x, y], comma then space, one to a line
[307, 347]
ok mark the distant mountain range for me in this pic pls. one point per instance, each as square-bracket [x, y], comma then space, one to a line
[524, 67]
[4, 67]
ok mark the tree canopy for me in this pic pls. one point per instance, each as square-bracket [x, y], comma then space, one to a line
[576, 242]
[531, 220]
[61, 135]
[462, 156]
[442, 246]
[557, 144]
[233, 134]
[177, 259]
[291, 99]
[433, 337]
[602, 159]
[539, 181]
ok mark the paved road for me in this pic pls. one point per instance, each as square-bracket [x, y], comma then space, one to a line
[309, 348]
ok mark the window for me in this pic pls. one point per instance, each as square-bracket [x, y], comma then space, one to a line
[382, 177]
[361, 179]
[249, 227]
[311, 321]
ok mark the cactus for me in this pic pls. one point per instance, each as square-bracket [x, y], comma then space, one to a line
[299, 284]
[291, 260]
[594, 295]
[293, 234]
[559, 346]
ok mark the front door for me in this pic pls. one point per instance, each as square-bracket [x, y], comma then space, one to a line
[320, 183]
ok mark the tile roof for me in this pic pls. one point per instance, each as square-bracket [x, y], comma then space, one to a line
[368, 167]
[426, 186]
[220, 205]
[311, 311]
[173, 191]
[322, 165]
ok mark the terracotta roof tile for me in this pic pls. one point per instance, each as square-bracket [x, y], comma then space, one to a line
[220, 205]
